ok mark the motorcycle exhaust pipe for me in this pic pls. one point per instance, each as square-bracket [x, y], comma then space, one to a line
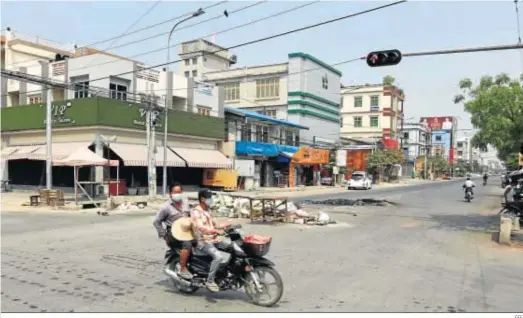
[169, 272]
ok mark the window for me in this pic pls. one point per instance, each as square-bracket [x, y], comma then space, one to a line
[232, 91]
[406, 135]
[374, 121]
[460, 153]
[118, 91]
[358, 122]
[297, 139]
[270, 113]
[204, 111]
[194, 73]
[187, 74]
[187, 62]
[375, 101]
[460, 144]
[341, 121]
[325, 82]
[438, 138]
[246, 132]
[258, 133]
[81, 90]
[194, 60]
[289, 138]
[358, 101]
[36, 99]
[267, 88]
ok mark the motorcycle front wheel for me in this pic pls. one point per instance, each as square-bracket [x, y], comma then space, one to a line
[256, 295]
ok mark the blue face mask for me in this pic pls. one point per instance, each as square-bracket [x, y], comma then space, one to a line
[208, 202]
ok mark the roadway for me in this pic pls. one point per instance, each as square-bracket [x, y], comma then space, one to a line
[431, 253]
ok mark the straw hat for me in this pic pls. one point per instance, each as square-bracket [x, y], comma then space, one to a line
[182, 229]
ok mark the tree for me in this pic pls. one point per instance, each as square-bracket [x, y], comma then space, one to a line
[496, 109]
[382, 162]
[439, 164]
[388, 80]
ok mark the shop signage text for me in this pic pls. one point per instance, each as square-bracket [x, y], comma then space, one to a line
[59, 114]
[155, 117]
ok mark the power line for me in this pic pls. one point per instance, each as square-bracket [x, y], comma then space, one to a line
[133, 32]
[207, 35]
[129, 28]
[268, 37]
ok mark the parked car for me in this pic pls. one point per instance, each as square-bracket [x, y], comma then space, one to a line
[360, 180]
[326, 180]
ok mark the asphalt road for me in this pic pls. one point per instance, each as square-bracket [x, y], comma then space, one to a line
[432, 252]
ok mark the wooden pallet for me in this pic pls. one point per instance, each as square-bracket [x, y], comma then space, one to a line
[52, 197]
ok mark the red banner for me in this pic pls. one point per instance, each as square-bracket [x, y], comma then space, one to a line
[390, 143]
[439, 123]
[451, 156]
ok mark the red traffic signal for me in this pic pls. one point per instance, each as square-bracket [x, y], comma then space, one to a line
[383, 58]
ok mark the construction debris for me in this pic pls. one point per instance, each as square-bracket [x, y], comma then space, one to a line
[285, 211]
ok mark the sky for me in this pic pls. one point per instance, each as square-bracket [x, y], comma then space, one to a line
[429, 82]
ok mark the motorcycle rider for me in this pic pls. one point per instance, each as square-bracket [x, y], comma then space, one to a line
[205, 231]
[485, 177]
[469, 185]
[176, 207]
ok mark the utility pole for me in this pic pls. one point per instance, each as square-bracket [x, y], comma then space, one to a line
[150, 123]
[49, 140]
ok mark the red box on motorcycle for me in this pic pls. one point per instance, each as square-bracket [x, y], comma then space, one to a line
[256, 245]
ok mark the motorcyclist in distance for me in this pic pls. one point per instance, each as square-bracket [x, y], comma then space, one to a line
[469, 184]
[485, 177]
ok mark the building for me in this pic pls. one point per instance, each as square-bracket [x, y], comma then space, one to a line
[107, 101]
[444, 134]
[303, 90]
[261, 147]
[201, 56]
[464, 149]
[372, 111]
[416, 139]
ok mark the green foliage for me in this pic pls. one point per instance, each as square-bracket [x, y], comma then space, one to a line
[439, 164]
[386, 157]
[388, 80]
[496, 109]
[512, 162]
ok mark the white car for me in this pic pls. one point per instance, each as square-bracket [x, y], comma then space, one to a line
[360, 180]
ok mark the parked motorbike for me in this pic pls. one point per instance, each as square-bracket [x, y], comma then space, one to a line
[245, 267]
[468, 194]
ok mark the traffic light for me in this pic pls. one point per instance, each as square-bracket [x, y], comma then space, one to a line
[383, 58]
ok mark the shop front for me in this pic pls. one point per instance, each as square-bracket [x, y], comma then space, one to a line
[305, 166]
[271, 163]
[114, 130]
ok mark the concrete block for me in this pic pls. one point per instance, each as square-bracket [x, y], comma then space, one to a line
[515, 224]
[505, 228]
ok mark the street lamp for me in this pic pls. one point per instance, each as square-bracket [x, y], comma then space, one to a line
[194, 15]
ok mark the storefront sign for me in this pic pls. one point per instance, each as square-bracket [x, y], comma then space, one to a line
[249, 148]
[59, 114]
[155, 117]
[311, 156]
[341, 158]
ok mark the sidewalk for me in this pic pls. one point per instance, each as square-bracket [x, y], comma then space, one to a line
[12, 201]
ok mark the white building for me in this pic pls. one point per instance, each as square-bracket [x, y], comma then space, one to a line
[464, 149]
[201, 56]
[372, 111]
[108, 100]
[416, 138]
[303, 90]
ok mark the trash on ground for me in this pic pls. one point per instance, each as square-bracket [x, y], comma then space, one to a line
[350, 202]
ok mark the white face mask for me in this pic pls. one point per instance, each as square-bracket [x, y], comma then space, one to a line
[177, 197]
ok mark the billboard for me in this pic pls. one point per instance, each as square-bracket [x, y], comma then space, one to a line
[439, 123]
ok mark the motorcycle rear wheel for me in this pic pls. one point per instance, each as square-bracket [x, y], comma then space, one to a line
[254, 294]
[175, 266]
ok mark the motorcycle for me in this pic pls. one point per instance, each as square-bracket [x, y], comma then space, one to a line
[468, 194]
[245, 267]
[484, 182]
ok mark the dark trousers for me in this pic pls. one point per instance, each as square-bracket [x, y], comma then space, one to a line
[173, 243]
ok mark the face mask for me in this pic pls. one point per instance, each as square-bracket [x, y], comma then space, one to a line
[177, 197]
[208, 202]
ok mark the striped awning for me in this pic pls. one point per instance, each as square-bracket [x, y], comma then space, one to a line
[203, 158]
[135, 155]
[19, 152]
[59, 150]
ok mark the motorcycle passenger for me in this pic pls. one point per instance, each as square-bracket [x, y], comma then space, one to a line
[205, 231]
[469, 185]
[176, 207]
